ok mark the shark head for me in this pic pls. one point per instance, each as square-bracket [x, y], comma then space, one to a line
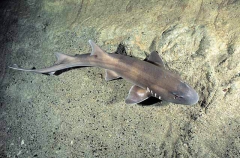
[183, 94]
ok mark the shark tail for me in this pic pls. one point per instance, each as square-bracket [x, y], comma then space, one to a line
[61, 63]
[67, 61]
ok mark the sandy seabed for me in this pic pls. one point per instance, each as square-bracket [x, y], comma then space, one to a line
[79, 114]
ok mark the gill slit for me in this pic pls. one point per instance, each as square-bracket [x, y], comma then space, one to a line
[155, 94]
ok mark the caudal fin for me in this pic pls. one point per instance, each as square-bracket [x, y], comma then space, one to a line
[63, 58]
[63, 62]
[67, 61]
[16, 67]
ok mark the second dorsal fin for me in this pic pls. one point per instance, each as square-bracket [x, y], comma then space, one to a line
[96, 50]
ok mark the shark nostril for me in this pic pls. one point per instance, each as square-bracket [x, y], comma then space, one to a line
[176, 96]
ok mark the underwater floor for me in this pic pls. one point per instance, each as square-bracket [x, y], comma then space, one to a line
[78, 114]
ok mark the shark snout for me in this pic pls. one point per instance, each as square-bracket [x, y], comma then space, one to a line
[185, 95]
[191, 97]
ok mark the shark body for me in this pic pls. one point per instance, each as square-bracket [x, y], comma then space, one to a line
[149, 78]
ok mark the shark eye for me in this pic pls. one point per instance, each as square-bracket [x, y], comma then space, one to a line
[176, 96]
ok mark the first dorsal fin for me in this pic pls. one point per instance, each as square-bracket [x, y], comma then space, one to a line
[155, 59]
[96, 50]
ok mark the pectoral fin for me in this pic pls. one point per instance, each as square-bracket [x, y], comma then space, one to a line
[137, 95]
[111, 75]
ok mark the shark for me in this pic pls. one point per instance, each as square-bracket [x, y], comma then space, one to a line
[150, 78]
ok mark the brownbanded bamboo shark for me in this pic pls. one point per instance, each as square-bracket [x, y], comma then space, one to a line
[149, 78]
